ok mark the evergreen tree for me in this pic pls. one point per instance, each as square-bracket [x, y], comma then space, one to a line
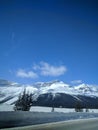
[24, 102]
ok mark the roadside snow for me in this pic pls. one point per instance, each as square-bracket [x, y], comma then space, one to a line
[7, 107]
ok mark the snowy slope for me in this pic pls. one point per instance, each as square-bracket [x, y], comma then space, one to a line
[85, 89]
[9, 91]
[56, 87]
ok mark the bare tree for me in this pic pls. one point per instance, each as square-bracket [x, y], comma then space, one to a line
[52, 110]
[78, 107]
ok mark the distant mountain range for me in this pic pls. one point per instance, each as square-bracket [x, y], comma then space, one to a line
[54, 93]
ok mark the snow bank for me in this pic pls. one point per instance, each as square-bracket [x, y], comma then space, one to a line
[7, 107]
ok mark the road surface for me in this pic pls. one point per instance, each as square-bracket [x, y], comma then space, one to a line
[83, 124]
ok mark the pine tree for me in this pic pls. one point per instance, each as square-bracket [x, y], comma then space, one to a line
[24, 102]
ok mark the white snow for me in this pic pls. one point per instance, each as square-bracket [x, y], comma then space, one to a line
[14, 89]
[85, 89]
[14, 92]
[7, 107]
[57, 87]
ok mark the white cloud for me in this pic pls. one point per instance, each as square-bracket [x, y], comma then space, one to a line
[76, 81]
[50, 70]
[36, 67]
[24, 74]
[43, 69]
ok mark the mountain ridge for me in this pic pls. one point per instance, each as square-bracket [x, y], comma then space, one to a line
[46, 93]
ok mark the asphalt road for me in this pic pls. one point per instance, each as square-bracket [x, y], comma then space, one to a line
[21, 118]
[83, 124]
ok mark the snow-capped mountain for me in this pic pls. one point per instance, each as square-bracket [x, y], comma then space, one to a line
[46, 93]
[86, 89]
[61, 87]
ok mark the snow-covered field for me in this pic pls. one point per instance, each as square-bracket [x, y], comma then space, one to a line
[7, 107]
[65, 110]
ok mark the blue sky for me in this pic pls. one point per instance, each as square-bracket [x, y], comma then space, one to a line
[49, 39]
